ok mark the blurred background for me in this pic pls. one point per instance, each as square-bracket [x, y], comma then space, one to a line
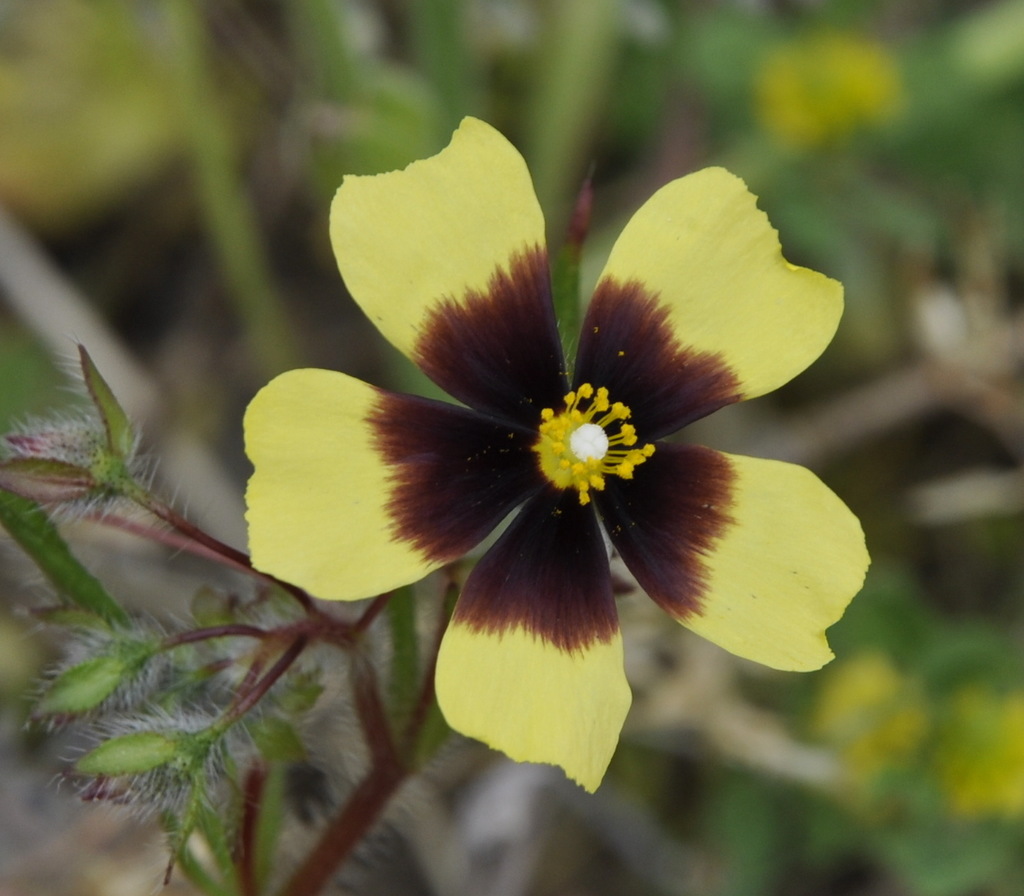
[166, 167]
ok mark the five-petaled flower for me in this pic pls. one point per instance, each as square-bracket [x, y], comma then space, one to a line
[358, 490]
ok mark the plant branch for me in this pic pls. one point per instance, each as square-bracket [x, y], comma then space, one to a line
[347, 829]
[252, 801]
[230, 630]
[239, 558]
[256, 693]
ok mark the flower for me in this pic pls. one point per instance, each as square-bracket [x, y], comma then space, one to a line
[874, 714]
[822, 88]
[980, 753]
[358, 490]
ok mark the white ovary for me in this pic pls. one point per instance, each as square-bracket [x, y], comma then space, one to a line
[589, 441]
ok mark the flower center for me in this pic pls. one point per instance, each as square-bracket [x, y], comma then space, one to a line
[587, 441]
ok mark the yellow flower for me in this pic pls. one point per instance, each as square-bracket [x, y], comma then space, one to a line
[822, 88]
[872, 714]
[980, 754]
[357, 490]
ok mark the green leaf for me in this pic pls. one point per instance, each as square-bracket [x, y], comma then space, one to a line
[129, 754]
[38, 537]
[82, 687]
[120, 434]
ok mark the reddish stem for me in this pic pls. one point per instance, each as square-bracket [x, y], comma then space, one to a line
[231, 630]
[387, 770]
[233, 555]
[345, 831]
[372, 714]
[171, 539]
[252, 797]
[253, 695]
[371, 613]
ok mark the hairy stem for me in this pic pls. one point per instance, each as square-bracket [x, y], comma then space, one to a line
[232, 555]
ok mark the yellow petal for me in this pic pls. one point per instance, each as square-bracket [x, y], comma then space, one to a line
[534, 702]
[317, 501]
[784, 571]
[408, 240]
[704, 248]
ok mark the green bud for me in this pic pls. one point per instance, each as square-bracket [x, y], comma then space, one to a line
[39, 538]
[82, 687]
[129, 754]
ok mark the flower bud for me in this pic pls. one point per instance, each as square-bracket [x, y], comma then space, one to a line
[45, 480]
[82, 687]
[129, 754]
[76, 459]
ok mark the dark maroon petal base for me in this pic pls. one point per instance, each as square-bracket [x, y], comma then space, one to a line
[628, 345]
[548, 572]
[665, 520]
[455, 473]
[499, 351]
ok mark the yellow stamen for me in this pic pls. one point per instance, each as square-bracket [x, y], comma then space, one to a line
[587, 441]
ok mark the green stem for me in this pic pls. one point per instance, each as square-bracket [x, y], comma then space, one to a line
[575, 67]
[229, 216]
[443, 53]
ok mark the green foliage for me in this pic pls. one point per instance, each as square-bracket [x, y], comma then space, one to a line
[38, 537]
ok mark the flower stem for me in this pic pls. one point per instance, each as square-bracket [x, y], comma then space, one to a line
[370, 613]
[391, 761]
[347, 829]
[255, 782]
[234, 556]
[230, 630]
[253, 695]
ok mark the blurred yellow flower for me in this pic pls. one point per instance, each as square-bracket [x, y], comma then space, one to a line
[979, 757]
[823, 87]
[87, 110]
[872, 713]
